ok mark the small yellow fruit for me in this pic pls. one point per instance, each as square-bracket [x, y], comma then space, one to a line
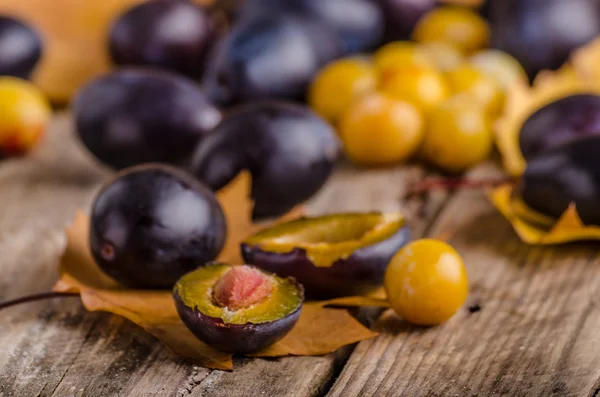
[486, 89]
[426, 282]
[458, 135]
[24, 113]
[400, 54]
[457, 26]
[423, 87]
[444, 56]
[340, 83]
[506, 69]
[379, 130]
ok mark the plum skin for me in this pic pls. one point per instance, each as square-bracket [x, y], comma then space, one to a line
[358, 23]
[559, 122]
[563, 175]
[136, 236]
[139, 37]
[361, 272]
[288, 149]
[268, 56]
[542, 34]
[18, 62]
[134, 116]
[235, 338]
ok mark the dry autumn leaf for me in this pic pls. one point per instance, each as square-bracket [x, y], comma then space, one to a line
[155, 310]
[567, 228]
[75, 39]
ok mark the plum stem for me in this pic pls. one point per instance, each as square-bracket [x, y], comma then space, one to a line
[36, 297]
[454, 183]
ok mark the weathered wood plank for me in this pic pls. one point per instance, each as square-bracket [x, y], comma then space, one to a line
[535, 335]
[56, 348]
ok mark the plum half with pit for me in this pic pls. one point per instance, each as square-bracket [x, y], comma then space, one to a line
[153, 223]
[288, 149]
[238, 309]
[171, 34]
[20, 48]
[560, 121]
[135, 116]
[268, 56]
[331, 255]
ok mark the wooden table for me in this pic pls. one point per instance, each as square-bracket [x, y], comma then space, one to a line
[533, 328]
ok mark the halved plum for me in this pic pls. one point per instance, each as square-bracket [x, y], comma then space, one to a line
[238, 308]
[331, 255]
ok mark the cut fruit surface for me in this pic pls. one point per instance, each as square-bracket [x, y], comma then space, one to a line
[328, 238]
[197, 290]
[331, 255]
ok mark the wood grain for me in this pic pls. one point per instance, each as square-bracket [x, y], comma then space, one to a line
[535, 333]
[56, 348]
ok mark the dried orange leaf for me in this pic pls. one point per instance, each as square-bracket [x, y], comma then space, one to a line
[567, 228]
[155, 310]
[152, 310]
[313, 334]
[585, 61]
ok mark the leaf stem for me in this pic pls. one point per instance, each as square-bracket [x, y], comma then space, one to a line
[453, 183]
[36, 297]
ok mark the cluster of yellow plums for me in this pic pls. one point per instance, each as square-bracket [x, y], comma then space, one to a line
[435, 98]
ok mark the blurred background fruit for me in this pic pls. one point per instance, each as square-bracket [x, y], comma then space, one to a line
[563, 176]
[541, 34]
[269, 56]
[74, 34]
[457, 26]
[558, 122]
[20, 48]
[359, 23]
[422, 86]
[401, 16]
[340, 83]
[24, 114]
[485, 88]
[506, 69]
[399, 54]
[458, 135]
[136, 116]
[379, 130]
[443, 55]
[171, 34]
